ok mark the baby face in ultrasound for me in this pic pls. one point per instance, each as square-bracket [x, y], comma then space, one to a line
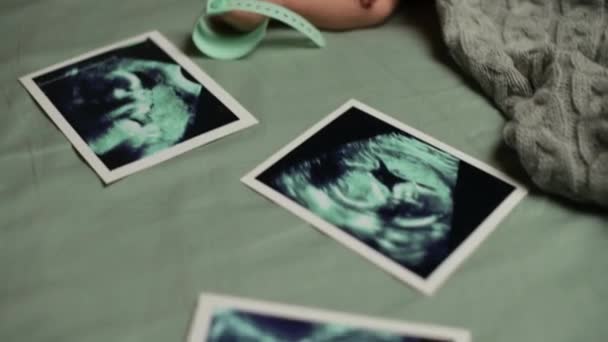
[130, 107]
[391, 191]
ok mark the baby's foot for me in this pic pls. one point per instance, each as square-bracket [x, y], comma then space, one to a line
[240, 21]
[366, 3]
[244, 21]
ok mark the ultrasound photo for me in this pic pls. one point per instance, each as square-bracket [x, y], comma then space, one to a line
[135, 104]
[235, 325]
[229, 319]
[387, 192]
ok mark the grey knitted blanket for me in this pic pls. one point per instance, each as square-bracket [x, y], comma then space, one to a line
[545, 64]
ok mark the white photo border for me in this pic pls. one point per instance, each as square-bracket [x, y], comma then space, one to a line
[208, 303]
[435, 280]
[244, 118]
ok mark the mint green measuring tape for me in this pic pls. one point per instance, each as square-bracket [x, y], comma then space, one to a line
[221, 46]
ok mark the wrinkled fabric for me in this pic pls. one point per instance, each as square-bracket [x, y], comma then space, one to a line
[544, 63]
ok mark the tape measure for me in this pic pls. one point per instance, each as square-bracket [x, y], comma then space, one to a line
[222, 46]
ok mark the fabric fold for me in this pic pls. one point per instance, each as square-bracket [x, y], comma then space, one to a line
[545, 65]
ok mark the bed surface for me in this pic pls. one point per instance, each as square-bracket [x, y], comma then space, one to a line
[83, 262]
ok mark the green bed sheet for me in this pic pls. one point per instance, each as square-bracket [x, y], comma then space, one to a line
[83, 262]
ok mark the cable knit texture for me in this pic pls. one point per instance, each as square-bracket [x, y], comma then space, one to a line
[545, 64]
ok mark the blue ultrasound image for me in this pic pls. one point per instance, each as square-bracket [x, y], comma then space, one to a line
[132, 102]
[403, 197]
[241, 326]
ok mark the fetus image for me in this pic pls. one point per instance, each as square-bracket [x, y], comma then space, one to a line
[395, 195]
[233, 325]
[389, 190]
[127, 106]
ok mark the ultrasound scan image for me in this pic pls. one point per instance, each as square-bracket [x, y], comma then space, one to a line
[132, 102]
[233, 326]
[403, 197]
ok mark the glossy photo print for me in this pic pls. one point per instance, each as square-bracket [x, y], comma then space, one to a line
[228, 319]
[413, 205]
[134, 104]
